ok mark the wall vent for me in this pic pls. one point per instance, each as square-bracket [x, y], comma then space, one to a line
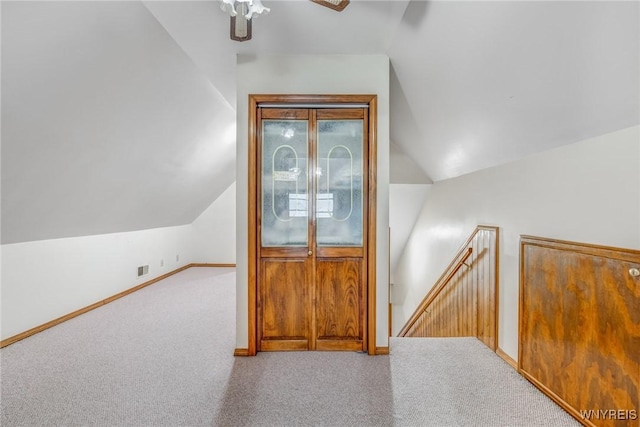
[142, 270]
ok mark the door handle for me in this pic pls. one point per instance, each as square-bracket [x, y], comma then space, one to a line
[310, 253]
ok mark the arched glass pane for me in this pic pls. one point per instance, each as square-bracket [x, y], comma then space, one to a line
[285, 195]
[339, 174]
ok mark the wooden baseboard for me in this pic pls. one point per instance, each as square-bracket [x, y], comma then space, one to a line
[54, 322]
[381, 351]
[243, 352]
[200, 264]
[507, 358]
[557, 399]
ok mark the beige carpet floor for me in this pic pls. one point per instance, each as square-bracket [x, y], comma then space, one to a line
[163, 356]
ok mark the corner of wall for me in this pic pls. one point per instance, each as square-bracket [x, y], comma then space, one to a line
[214, 230]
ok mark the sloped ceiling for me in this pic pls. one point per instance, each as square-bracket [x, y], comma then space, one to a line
[292, 27]
[108, 126]
[476, 84]
[120, 116]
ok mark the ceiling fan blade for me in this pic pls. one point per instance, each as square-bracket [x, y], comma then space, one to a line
[338, 5]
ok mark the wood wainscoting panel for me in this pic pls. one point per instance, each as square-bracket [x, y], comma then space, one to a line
[339, 309]
[283, 304]
[463, 303]
[580, 328]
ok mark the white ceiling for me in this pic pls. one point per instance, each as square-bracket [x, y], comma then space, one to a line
[120, 115]
[474, 84]
[201, 29]
[482, 83]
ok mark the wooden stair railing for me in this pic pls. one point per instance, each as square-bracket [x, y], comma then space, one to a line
[463, 302]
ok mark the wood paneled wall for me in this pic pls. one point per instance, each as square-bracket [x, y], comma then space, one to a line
[463, 302]
[580, 328]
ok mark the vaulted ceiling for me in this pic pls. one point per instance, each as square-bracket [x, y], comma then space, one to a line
[120, 116]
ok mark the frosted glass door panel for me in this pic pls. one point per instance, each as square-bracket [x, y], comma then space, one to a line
[339, 174]
[285, 195]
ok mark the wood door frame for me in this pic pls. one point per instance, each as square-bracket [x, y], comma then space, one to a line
[253, 203]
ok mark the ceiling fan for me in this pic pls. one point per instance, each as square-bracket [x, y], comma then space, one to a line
[242, 12]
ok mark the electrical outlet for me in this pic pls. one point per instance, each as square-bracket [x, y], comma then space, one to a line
[161, 263]
[177, 257]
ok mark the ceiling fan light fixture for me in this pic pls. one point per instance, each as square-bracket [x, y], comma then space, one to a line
[229, 7]
[240, 26]
[242, 12]
[338, 5]
[255, 8]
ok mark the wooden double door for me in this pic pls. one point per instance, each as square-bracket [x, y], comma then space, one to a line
[313, 166]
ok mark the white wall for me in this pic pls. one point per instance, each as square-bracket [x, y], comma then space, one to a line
[585, 192]
[214, 231]
[405, 204]
[313, 74]
[43, 280]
